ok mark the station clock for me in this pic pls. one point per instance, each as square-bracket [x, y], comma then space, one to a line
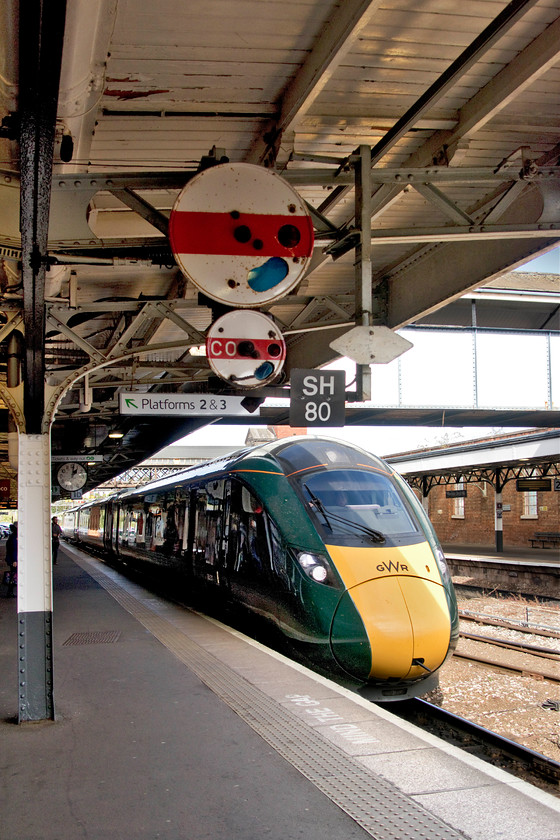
[71, 476]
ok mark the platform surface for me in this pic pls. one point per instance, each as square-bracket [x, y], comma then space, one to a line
[171, 725]
[529, 556]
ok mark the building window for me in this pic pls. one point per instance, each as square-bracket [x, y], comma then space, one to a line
[459, 502]
[530, 508]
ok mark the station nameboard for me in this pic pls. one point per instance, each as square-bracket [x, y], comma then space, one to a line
[529, 484]
[184, 405]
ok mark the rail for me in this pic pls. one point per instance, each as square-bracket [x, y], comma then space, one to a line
[540, 770]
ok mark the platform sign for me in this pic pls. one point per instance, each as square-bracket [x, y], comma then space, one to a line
[241, 233]
[184, 405]
[528, 484]
[61, 459]
[317, 397]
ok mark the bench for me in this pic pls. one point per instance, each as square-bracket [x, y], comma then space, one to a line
[543, 537]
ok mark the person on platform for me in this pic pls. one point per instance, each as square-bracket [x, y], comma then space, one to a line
[56, 532]
[11, 559]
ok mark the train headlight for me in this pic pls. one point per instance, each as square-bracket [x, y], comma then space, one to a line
[314, 566]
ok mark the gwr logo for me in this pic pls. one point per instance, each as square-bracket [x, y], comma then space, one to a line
[392, 567]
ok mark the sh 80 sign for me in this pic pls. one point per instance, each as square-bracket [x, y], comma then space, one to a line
[317, 397]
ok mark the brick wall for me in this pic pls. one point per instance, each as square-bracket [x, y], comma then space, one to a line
[477, 525]
[288, 431]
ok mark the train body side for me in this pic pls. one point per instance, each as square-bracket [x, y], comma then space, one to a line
[247, 531]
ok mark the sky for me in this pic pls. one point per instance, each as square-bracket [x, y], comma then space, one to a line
[381, 440]
[548, 263]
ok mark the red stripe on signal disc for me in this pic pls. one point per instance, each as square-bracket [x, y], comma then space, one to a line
[227, 348]
[213, 233]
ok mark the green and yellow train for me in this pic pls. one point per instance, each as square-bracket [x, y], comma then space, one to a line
[317, 536]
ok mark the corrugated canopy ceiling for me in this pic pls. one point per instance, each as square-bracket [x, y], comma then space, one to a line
[449, 111]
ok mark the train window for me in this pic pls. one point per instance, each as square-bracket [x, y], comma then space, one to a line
[278, 553]
[310, 454]
[136, 526]
[208, 529]
[95, 520]
[130, 527]
[185, 532]
[250, 503]
[115, 535]
[159, 526]
[171, 538]
[83, 521]
[249, 550]
[216, 489]
[151, 513]
[140, 526]
[253, 554]
[357, 499]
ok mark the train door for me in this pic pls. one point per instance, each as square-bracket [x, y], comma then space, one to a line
[186, 531]
[249, 555]
[208, 536]
[108, 526]
[116, 519]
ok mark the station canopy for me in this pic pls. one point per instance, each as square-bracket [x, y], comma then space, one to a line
[419, 140]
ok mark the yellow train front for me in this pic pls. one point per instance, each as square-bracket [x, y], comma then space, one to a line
[390, 605]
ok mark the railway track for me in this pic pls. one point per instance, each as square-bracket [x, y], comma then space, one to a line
[521, 627]
[536, 660]
[535, 650]
[522, 762]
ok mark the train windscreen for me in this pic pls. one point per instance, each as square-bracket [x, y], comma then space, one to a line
[357, 502]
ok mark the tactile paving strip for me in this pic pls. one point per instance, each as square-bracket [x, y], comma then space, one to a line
[375, 804]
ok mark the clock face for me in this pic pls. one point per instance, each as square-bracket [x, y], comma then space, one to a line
[72, 476]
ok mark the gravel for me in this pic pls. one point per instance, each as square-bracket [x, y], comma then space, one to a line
[507, 703]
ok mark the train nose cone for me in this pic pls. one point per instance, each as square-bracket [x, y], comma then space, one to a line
[382, 625]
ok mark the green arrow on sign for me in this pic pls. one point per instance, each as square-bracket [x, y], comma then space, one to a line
[130, 403]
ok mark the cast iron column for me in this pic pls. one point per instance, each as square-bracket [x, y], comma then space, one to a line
[41, 35]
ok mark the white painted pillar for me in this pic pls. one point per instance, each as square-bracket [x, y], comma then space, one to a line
[35, 659]
[498, 521]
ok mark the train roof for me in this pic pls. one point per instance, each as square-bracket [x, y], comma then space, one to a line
[330, 449]
[268, 450]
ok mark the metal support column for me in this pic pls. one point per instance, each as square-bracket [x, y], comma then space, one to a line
[35, 661]
[362, 264]
[41, 36]
[425, 491]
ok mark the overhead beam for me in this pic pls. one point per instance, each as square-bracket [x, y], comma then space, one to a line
[532, 63]
[468, 58]
[143, 208]
[449, 271]
[335, 41]
[481, 44]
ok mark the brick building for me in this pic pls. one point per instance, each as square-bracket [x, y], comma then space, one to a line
[458, 486]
